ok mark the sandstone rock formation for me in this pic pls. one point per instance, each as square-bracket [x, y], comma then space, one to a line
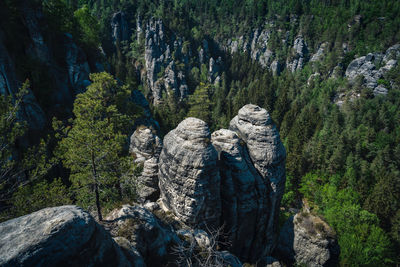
[254, 126]
[162, 75]
[299, 56]
[244, 196]
[372, 67]
[306, 239]
[146, 147]
[188, 176]
[64, 235]
[137, 230]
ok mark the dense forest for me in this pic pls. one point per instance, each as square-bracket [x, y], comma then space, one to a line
[343, 160]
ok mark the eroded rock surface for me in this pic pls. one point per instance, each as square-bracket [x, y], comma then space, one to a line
[254, 126]
[299, 55]
[306, 239]
[65, 235]
[244, 196]
[373, 67]
[139, 231]
[189, 180]
[146, 147]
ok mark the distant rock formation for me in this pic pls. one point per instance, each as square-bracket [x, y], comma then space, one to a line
[254, 126]
[299, 56]
[65, 235]
[162, 74]
[306, 239]
[372, 67]
[188, 175]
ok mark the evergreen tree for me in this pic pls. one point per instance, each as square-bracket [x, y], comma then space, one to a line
[93, 145]
[200, 103]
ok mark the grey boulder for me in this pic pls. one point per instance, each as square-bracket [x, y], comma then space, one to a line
[306, 239]
[64, 235]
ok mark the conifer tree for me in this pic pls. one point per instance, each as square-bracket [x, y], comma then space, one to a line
[93, 145]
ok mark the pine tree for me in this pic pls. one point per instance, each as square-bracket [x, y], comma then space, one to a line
[200, 103]
[94, 144]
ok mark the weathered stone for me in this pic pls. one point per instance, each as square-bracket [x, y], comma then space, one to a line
[145, 233]
[65, 235]
[130, 252]
[146, 147]
[306, 239]
[188, 175]
[244, 196]
[254, 126]
[367, 68]
[299, 55]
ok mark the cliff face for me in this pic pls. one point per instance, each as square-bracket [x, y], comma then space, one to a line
[61, 60]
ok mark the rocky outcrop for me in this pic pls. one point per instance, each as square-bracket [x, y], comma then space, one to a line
[162, 74]
[244, 196]
[64, 235]
[372, 67]
[256, 45]
[59, 68]
[306, 239]
[299, 56]
[146, 147]
[142, 235]
[254, 126]
[9, 85]
[321, 52]
[119, 27]
[189, 180]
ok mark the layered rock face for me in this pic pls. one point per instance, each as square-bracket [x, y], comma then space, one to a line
[244, 196]
[146, 147]
[306, 239]
[189, 180]
[254, 126]
[372, 67]
[299, 56]
[65, 235]
[67, 73]
[163, 76]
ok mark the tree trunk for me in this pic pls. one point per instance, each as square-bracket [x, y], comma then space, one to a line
[96, 189]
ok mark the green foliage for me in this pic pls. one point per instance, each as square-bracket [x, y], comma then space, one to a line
[200, 103]
[59, 15]
[93, 146]
[11, 128]
[89, 26]
[41, 195]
